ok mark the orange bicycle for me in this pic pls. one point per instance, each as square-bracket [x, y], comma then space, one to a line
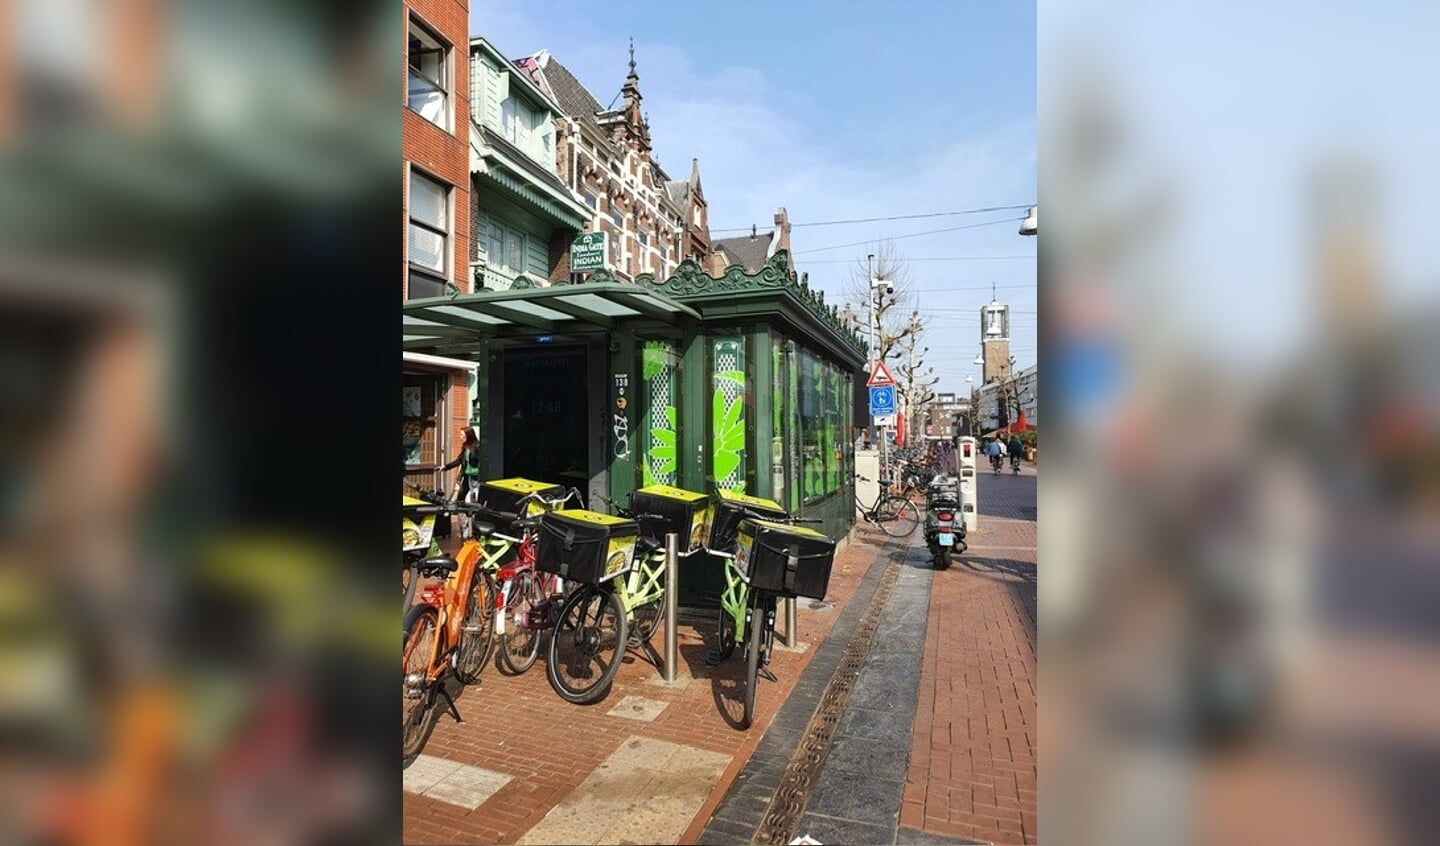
[450, 631]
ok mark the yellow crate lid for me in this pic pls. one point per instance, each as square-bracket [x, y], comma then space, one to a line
[788, 529]
[521, 486]
[752, 501]
[596, 517]
[672, 493]
[412, 502]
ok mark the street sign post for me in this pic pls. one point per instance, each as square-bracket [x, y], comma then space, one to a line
[589, 251]
[880, 376]
[882, 401]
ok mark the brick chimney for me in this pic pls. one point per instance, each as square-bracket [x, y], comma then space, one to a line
[782, 229]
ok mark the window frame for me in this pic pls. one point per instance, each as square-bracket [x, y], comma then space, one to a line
[440, 277]
[445, 84]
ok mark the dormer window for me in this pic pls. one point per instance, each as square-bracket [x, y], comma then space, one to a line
[516, 120]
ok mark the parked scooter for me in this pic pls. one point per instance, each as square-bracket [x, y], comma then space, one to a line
[944, 529]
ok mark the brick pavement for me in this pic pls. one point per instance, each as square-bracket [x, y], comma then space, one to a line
[972, 771]
[517, 727]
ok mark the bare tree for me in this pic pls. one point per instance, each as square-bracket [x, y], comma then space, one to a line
[916, 378]
[890, 308]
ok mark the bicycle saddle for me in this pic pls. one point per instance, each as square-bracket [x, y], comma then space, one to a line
[482, 528]
[439, 564]
[527, 523]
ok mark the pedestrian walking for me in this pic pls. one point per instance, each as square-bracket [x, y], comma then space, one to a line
[469, 463]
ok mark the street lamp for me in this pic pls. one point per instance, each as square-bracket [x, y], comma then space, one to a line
[1029, 225]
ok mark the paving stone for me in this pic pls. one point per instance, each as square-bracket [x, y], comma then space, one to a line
[874, 725]
[468, 787]
[425, 771]
[830, 830]
[647, 791]
[637, 708]
[682, 678]
[883, 761]
[855, 796]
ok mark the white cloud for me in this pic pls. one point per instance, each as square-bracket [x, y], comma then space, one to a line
[763, 143]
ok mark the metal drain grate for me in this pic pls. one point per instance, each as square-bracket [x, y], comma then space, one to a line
[783, 816]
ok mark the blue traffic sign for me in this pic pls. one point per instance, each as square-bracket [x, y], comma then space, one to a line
[882, 401]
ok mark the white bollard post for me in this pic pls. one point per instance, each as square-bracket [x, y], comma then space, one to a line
[790, 636]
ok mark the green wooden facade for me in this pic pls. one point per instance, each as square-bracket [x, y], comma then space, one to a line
[741, 382]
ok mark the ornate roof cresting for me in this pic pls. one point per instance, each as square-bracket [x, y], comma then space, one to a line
[690, 279]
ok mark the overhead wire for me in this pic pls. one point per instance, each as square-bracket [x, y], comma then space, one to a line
[714, 229]
[908, 235]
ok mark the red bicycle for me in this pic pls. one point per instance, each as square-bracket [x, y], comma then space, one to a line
[528, 602]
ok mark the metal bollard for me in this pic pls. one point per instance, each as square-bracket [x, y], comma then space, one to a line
[672, 590]
[790, 636]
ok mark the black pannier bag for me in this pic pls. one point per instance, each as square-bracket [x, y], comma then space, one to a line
[505, 494]
[784, 559]
[585, 546]
[729, 513]
[686, 514]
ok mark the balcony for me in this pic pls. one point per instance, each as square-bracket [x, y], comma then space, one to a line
[493, 278]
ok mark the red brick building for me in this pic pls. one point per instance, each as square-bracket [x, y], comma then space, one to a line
[651, 221]
[435, 106]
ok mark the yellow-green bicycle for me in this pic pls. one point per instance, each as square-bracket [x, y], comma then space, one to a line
[618, 568]
[747, 614]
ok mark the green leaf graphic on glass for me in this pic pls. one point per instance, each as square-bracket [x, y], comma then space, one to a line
[729, 426]
[655, 357]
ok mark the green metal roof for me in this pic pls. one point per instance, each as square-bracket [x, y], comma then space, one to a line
[437, 324]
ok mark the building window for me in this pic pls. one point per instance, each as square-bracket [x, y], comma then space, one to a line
[429, 207]
[505, 248]
[516, 121]
[427, 92]
[615, 168]
[644, 239]
[589, 199]
[619, 219]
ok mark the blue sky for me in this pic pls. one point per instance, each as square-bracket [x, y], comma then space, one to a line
[834, 110]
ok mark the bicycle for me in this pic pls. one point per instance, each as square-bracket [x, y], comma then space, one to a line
[895, 515]
[748, 613]
[450, 630]
[530, 596]
[418, 537]
[622, 605]
[913, 481]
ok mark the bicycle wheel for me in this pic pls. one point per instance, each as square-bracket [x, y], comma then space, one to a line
[897, 516]
[477, 632]
[520, 644]
[587, 645]
[752, 661]
[726, 631]
[418, 700]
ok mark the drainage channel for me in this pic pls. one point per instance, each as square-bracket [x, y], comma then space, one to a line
[782, 817]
